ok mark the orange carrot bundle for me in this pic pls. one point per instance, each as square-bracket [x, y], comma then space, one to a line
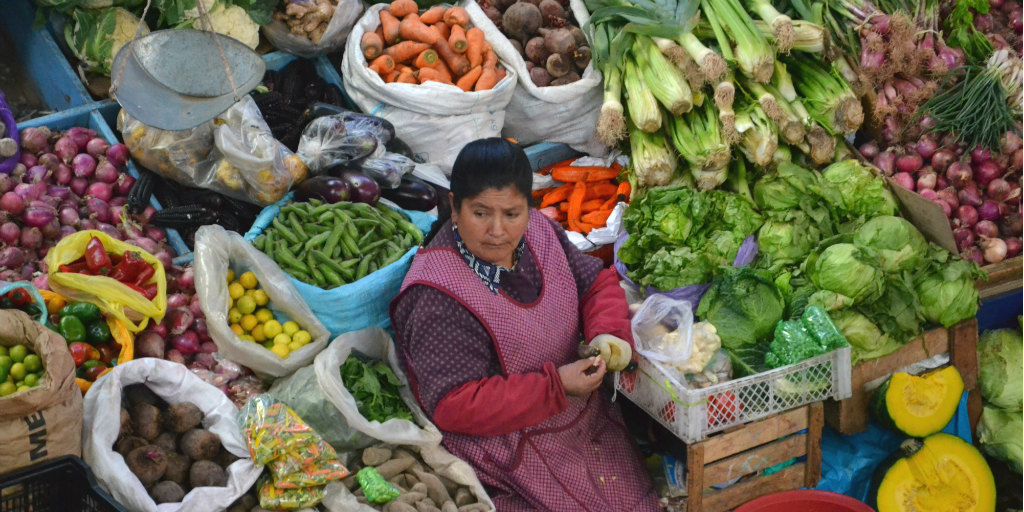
[442, 68]
[557, 195]
[564, 163]
[576, 203]
[456, 62]
[372, 45]
[456, 16]
[457, 40]
[429, 75]
[390, 26]
[403, 8]
[600, 191]
[412, 29]
[597, 218]
[572, 174]
[443, 29]
[407, 78]
[539, 194]
[470, 79]
[592, 205]
[426, 59]
[383, 65]
[390, 77]
[433, 15]
[406, 50]
[475, 46]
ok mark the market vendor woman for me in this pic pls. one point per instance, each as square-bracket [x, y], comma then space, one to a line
[488, 324]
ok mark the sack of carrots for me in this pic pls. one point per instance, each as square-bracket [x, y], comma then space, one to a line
[436, 45]
[586, 199]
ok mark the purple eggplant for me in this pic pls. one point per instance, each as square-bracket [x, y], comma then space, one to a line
[325, 188]
[362, 188]
[412, 194]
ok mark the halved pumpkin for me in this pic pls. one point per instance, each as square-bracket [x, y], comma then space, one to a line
[940, 474]
[918, 406]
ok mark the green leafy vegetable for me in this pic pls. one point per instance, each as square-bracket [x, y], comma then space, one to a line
[1000, 432]
[743, 304]
[811, 336]
[846, 271]
[1000, 363]
[866, 341]
[375, 389]
[786, 188]
[854, 191]
[946, 289]
[961, 32]
[787, 238]
[748, 359]
[899, 244]
[95, 36]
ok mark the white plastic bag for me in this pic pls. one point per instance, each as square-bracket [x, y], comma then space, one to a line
[175, 384]
[436, 120]
[345, 14]
[372, 342]
[216, 251]
[564, 113]
[663, 329]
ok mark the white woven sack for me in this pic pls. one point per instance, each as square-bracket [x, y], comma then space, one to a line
[436, 120]
[564, 113]
[175, 384]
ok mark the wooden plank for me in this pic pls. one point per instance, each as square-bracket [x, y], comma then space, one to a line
[727, 499]
[754, 434]
[750, 461]
[694, 476]
[963, 351]
[1002, 277]
[974, 408]
[925, 346]
[815, 422]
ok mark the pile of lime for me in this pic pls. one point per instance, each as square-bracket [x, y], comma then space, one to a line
[20, 369]
[251, 321]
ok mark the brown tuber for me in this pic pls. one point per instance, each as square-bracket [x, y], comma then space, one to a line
[581, 57]
[178, 467]
[147, 419]
[521, 21]
[494, 15]
[126, 445]
[167, 492]
[244, 504]
[557, 65]
[566, 79]
[140, 394]
[517, 46]
[207, 473]
[167, 442]
[558, 40]
[182, 417]
[199, 444]
[536, 52]
[578, 36]
[126, 424]
[552, 8]
[147, 463]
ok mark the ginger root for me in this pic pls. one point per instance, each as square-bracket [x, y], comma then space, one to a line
[308, 18]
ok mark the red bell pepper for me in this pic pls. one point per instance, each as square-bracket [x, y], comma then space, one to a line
[130, 267]
[96, 257]
[19, 297]
[149, 291]
[75, 268]
[145, 275]
[82, 352]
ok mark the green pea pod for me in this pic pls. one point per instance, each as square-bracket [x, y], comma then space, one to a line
[296, 226]
[317, 240]
[334, 238]
[84, 311]
[361, 270]
[260, 243]
[72, 329]
[288, 259]
[368, 237]
[284, 230]
[97, 333]
[332, 277]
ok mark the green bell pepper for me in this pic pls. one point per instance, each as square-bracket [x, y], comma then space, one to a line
[71, 329]
[97, 332]
[83, 310]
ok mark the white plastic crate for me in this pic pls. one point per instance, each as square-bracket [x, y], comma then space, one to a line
[692, 414]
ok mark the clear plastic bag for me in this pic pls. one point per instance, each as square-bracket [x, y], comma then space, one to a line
[235, 154]
[331, 140]
[663, 329]
[333, 37]
[388, 169]
[718, 370]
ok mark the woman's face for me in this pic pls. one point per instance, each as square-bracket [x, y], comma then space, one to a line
[492, 223]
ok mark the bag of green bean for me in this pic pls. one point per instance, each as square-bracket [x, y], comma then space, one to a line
[347, 260]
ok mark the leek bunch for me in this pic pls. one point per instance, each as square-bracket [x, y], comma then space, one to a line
[700, 139]
[665, 80]
[651, 159]
[642, 106]
[731, 23]
[827, 95]
[758, 136]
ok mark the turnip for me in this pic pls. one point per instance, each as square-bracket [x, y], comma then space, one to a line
[147, 463]
[521, 21]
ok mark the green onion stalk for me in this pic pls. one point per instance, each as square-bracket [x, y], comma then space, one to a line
[752, 53]
[827, 96]
[783, 153]
[699, 138]
[651, 159]
[712, 65]
[807, 37]
[681, 58]
[640, 101]
[665, 80]
[1008, 67]
[758, 138]
[737, 181]
[792, 127]
[822, 145]
[611, 123]
[763, 97]
[975, 109]
[780, 24]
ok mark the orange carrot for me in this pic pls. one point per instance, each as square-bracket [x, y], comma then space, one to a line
[470, 79]
[487, 80]
[433, 15]
[456, 62]
[426, 59]
[406, 50]
[491, 59]
[458, 39]
[564, 163]
[443, 29]
[598, 217]
[390, 77]
[456, 16]
[600, 191]
[475, 46]
[404, 69]
[403, 8]
[500, 73]
[538, 195]
[442, 68]
[407, 78]
[585, 227]
[380, 32]
[623, 191]
[372, 45]
[574, 173]
[557, 195]
[592, 205]
[383, 65]
[429, 75]
[391, 27]
[576, 203]
[412, 29]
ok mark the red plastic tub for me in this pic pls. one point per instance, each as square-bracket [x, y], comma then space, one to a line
[804, 501]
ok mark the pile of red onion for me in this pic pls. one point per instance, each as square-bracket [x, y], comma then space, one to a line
[67, 182]
[980, 192]
[183, 337]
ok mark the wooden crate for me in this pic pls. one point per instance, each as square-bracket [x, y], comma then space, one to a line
[1003, 277]
[748, 448]
[959, 341]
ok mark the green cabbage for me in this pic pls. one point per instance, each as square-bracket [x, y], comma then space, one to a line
[900, 246]
[786, 188]
[866, 341]
[854, 191]
[95, 36]
[743, 304]
[787, 238]
[668, 269]
[948, 294]
[843, 270]
[1000, 364]
[1000, 433]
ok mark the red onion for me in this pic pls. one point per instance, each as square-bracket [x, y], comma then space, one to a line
[208, 347]
[96, 147]
[105, 172]
[130, 230]
[993, 250]
[145, 244]
[995, 4]
[948, 195]
[154, 233]
[1011, 223]
[118, 155]
[147, 215]
[86, 224]
[886, 161]
[942, 160]
[98, 209]
[946, 208]
[66, 149]
[989, 210]
[187, 281]
[31, 238]
[926, 180]
[980, 154]
[986, 229]
[160, 329]
[12, 257]
[1009, 143]
[165, 258]
[175, 357]
[34, 191]
[66, 231]
[80, 135]
[985, 172]
[36, 218]
[181, 319]
[999, 190]
[58, 193]
[51, 230]
[928, 194]
[29, 160]
[79, 185]
[6, 183]
[124, 184]
[33, 140]
[202, 330]
[869, 150]
[36, 174]
[967, 215]
[194, 305]
[110, 231]
[959, 174]
[149, 344]
[1013, 247]
[964, 238]
[1016, 21]
[926, 147]
[100, 190]
[10, 233]
[909, 163]
[83, 165]
[50, 160]
[1016, 160]
[118, 201]
[904, 180]
[969, 195]
[187, 343]
[972, 254]
[176, 301]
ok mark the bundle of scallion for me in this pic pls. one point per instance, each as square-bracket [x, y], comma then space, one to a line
[827, 95]
[652, 161]
[700, 139]
[758, 136]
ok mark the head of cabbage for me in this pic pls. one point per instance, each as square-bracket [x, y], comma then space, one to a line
[844, 269]
[1000, 367]
[900, 246]
[866, 340]
[1000, 433]
[948, 295]
[743, 304]
[787, 238]
[785, 188]
[854, 191]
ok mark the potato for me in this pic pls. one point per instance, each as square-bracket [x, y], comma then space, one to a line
[200, 444]
[126, 445]
[167, 441]
[182, 417]
[206, 473]
[167, 492]
[147, 463]
[146, 419]
[126, 424]
[225, 458]
[178, 467]
[140, 394]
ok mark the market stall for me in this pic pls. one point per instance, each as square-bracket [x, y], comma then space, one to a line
[813, 211]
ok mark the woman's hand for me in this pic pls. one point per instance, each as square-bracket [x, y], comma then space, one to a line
[577, 381]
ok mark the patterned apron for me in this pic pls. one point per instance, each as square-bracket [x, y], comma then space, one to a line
[580, 460]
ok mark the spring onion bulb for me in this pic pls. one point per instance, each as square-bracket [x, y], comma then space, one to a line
[766, 100]
[665, 80]
[780, 24]
[642, 105]
[712, 65]
[791, 127]
[1008, 68]
[822, 145]
[753, 55]
[699, 138]
[827, 96]
[652, 161]
[611, 123]
[758, 137]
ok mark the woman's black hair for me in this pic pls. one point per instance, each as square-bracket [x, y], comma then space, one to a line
[481, 165]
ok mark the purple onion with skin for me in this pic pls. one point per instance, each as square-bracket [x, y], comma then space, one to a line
[27, 270]
[110, 231]
[187, 282]
[63, 175]
[154, 233]
[36, 174]
[926, 180]
[100, 190]
[12, 257]
[886, 161]
[193, 305]
[79, 186]
[904, 180]
[83, 166]
[65, 149]
[96, 147]
[181, 319]
[80, 135]
[970, 195]
[86, 224]
[1012, 223]
[869, 150]
[106, 172]
[98, 209]
[145, 244]
[964, 238]
[124, 184]
[118, 201]
[946, 209]
[968, 216]
[989, 211]
[986, 229]
[36, 218]
[57, 192]
[176, 301]
[926, 147]
[207, 348]
[175, 357]
[10, 233]
[1009, 143]
[50, 161]
[980, 154]
[1013, 247]
[942, 159]
[66, 231]
[118, 155]
[30, 160]
[51, 230]
[949, 196]
[33, 140]
[204, 360]
[187, 343]
[6, 183]
[147, 214]
[999, 190]
[959, 174]
[985, 172]
[164, 258]
[35, 191]
[159, 329]
[202, 330]
[131, 231]
[42, 282]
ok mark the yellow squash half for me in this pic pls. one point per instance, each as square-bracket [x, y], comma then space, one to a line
[918, 406]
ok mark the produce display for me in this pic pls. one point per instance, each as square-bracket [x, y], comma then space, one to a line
[90, 342]
[20, 299]
[587, 198]
[258, 325]
[20, 369]
[330, 245]
[375, 389]
[437, 45]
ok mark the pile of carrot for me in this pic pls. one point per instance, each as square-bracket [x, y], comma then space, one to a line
[587, 198]
[435, 46]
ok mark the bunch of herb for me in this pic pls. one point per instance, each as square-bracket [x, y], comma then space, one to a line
[375, 388]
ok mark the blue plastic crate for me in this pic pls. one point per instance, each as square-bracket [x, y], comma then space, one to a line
[58, 86]
[544, 154]
[1001, 312]
[87, 116]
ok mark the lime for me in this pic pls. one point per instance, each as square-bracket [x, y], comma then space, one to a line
[272, 328]
[248, 323]
[302, 337]
[246, 305]
[231, 275]
[3, 350]
[290, 328]
[264, 315]
[6, 362]
[246, 337]
[22, 388]
[281, 350]
[33, 363]
[18, 353]
[31, 380]
[261, 297]
[18, 371]
[257, 334]
[236, 291]
[282, 339]
[7, 388]
[235, 316]
[3, 374]
[269, 344]
[248, 280]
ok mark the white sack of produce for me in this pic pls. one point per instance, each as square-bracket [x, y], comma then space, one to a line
[45, 421]
[312, 36]
[175, 384]
[563, 113]
[216, 251]
[436, 120]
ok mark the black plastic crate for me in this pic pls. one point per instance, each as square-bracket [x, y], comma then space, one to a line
[64, 484]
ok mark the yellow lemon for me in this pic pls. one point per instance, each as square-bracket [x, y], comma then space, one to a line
[261, 297]
[302, 337]
[237, 329]
[257, 334]
[231, 275]
[236, 291]
[250, 293]
[246, 337]
[234, 316]
[264, 315]
[271, 328]
[290, 327]
[293, 346]
[282, 339]
[248, 322]
[280, 350]
[248, 280]
[246, 305]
